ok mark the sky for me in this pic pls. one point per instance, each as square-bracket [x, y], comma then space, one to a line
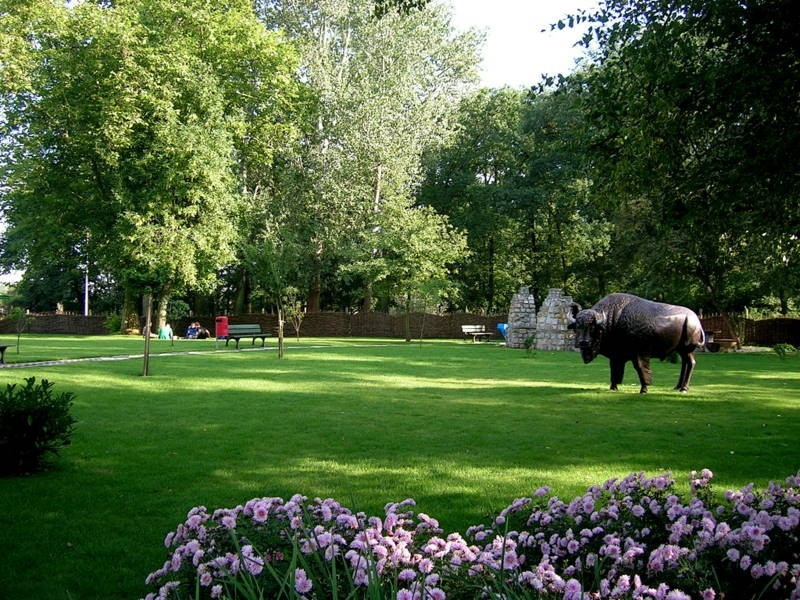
[516, 52]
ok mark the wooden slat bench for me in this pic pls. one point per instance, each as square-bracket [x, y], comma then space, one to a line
[237, 332]
[477, 332]
[716, 344]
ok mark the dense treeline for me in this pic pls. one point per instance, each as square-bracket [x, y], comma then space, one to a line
[337, 154]
[667, 164]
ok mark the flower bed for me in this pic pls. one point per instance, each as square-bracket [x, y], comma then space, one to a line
[629, 538]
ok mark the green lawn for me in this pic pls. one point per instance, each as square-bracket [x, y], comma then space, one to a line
[463, 428]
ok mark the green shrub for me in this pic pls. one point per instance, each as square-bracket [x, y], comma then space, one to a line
[530, 344]
[784, 350]
[34, 423]
[113, 324]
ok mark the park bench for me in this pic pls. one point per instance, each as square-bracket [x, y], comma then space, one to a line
[3, 348]
[477, 332]
[715, 344]
[237, 332]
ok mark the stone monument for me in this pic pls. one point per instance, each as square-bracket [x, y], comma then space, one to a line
[551, 323]
[521, 319]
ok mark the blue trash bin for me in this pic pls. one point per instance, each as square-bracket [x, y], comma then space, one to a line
[503, 328]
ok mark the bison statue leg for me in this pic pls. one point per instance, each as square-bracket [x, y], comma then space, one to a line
[642, 366]
[687, 367]
[617, 371]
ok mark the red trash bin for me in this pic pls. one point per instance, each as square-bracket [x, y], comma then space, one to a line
[221, 327]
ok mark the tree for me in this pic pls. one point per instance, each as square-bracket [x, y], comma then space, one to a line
[567, 232]
[383, 7]
[272, 261]
[409, 255]
[383, 89]
[473, 179]
[517, 178]
[22, 321]
[696, 103]
[122, 136]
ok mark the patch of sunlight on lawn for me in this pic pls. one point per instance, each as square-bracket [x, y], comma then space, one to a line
[780, 376]
[428, 477]
[411, 382]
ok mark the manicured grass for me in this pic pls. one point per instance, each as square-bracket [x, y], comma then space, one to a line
[462, 428]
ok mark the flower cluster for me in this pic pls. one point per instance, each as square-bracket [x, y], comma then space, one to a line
[629, 538]
[637, 538]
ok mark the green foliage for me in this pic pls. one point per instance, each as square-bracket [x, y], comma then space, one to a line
[473, 178]
[687, 99]
[530, 344]
[385, 89]
[409, 253]
[383, 7]
[176, 309]
[113, 324]
[34, 424]
[124, 138]
[784, 350]
[293, 310]
[22, 320]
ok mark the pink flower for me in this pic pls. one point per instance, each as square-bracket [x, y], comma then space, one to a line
[301, 581]
[407, 575]
[260, 513]
[425, 565]
[573, 590]
[252, 562]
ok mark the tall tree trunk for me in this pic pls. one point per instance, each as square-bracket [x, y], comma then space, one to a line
[407, 319]
[314, 293]
[366, 301]
[161, 311]
[490, 284]
[240, 302]
[280, 332]
[130, 313]
[147, 309]
[533, 273]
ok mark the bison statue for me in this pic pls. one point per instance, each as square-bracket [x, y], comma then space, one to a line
[623, 328]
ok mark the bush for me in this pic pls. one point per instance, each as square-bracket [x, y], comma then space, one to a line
[630, 538]
[113, 324]
[784, 350]
[34, 424]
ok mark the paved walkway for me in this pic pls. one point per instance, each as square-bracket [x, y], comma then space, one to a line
[67, 361]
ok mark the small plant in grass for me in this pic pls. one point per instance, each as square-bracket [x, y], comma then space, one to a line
[22, 320]
[629, 538]
[784, 350]
[293, 309]
[35, 423]
[530, 344]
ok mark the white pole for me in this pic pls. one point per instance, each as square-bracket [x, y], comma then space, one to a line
[86, 293]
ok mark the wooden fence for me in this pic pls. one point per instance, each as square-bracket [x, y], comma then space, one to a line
[368, 324]
[764, 332]
[324, 324]
[58, 323]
